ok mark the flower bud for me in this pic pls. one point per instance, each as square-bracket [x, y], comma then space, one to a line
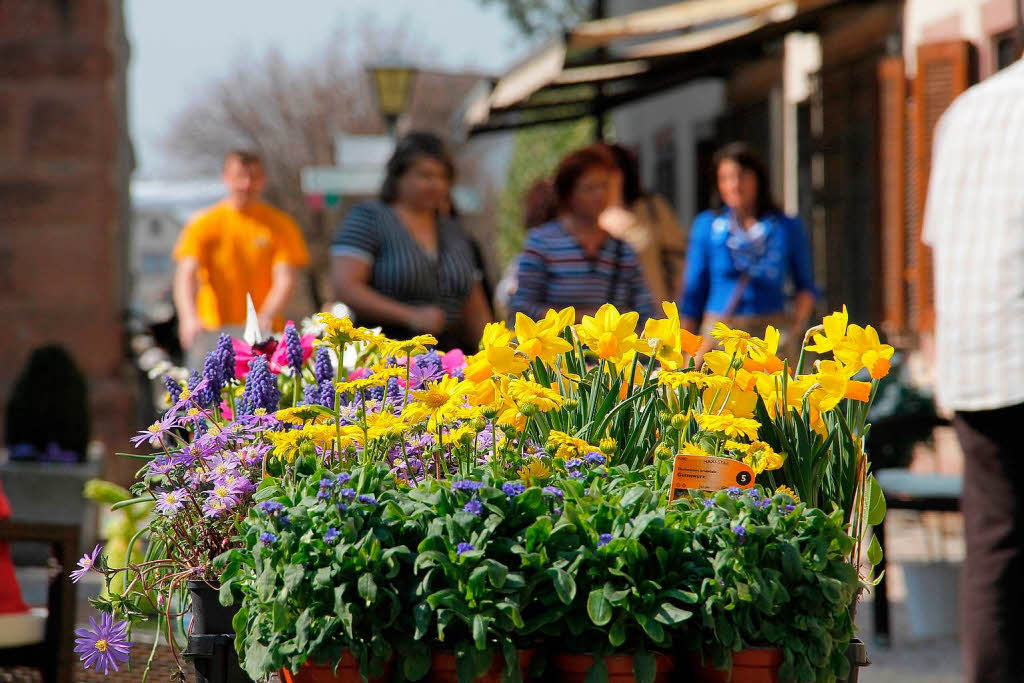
[679, 421]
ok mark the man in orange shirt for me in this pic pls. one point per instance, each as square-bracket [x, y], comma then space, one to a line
[239, 246]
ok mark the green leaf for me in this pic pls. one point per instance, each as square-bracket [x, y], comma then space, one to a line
[598, 607]
[874, 551]
[670, 615]
[417, 664]
[294, 576]
[876, 501]
[644, 667]
[130, 502]
[421, 617]
[617, 634]
[653, 629]
[367, 588]
[479, 632]
[565, 586]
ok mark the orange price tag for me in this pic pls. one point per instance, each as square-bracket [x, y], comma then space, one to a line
[708, 473]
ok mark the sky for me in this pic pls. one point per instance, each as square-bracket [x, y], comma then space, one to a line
[178, 46]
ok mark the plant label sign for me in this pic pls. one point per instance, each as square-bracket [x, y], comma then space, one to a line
[708, 473]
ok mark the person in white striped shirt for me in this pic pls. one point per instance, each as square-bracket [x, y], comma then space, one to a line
[974, 222]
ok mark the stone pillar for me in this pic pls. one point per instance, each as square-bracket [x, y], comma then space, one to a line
[64, 165]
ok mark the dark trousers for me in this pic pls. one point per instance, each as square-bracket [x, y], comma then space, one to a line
[992, 597]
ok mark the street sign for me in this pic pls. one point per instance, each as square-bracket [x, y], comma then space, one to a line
[352, 181]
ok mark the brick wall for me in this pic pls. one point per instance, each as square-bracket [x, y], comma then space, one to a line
[64, 164]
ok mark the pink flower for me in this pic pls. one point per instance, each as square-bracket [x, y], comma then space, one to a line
[245, 353]
[279, 358]
[453, 360]
[225, 411]
[359, 373]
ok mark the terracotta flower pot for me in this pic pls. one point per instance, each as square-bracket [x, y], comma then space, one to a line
[574, 668]
[348, 672]
[443, 667]
[754, 665]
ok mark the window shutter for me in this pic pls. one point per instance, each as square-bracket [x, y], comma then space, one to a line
[892, 124]
[944, 70]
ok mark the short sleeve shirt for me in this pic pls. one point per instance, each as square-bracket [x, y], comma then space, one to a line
[401, 268]
[236, 250]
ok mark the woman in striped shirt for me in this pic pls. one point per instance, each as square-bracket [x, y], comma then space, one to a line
[571, 261]
[400, 263]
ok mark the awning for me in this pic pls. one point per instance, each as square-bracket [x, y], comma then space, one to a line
[609, 62]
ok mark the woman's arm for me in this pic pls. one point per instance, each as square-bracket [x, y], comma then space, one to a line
[803, 277]
[697, 280]
[351, 278]
[476, 312]
[531, 292]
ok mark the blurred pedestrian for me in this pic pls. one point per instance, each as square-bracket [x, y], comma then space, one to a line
[744, 253]
[239, 246]
[974, 222]
[540, 205]
[646, 222]
[401, 263]
[571, 261]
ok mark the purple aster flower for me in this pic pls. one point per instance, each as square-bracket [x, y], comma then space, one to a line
[473, 507]
[323, 370]
[573, 463]
[513, 488]
[368, 499]
[85, 564]
[603, 540]
[226, 353]
[103, 646]
[173, 389]
[156, 432]
[215, 507]
[740, 530]
[267, 538]
[293, 347]
[331, 535]
[554, 491]
[467, 485]
[464, 548]
[170, 502]
[595, 458]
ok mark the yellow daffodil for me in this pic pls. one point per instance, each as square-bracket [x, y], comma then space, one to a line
[834, 326]
[728, 424]
[718, 362]
[760, 457]
[497, 355]
[667, 341]
[525, 392]
[732, 399]
[609, 334]
[765, 359]
[542, 339]
[678, 379]
[862, 348]
[736, 342]
[835, 384]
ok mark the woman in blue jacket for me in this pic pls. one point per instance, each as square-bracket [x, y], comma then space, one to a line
[743, 256]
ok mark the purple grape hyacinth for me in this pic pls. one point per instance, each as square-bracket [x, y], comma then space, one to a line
[260, 388]
[226, 352]
[173, 389]
[103, 646]
[293, 347]
[213, 373]
[323, 370]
